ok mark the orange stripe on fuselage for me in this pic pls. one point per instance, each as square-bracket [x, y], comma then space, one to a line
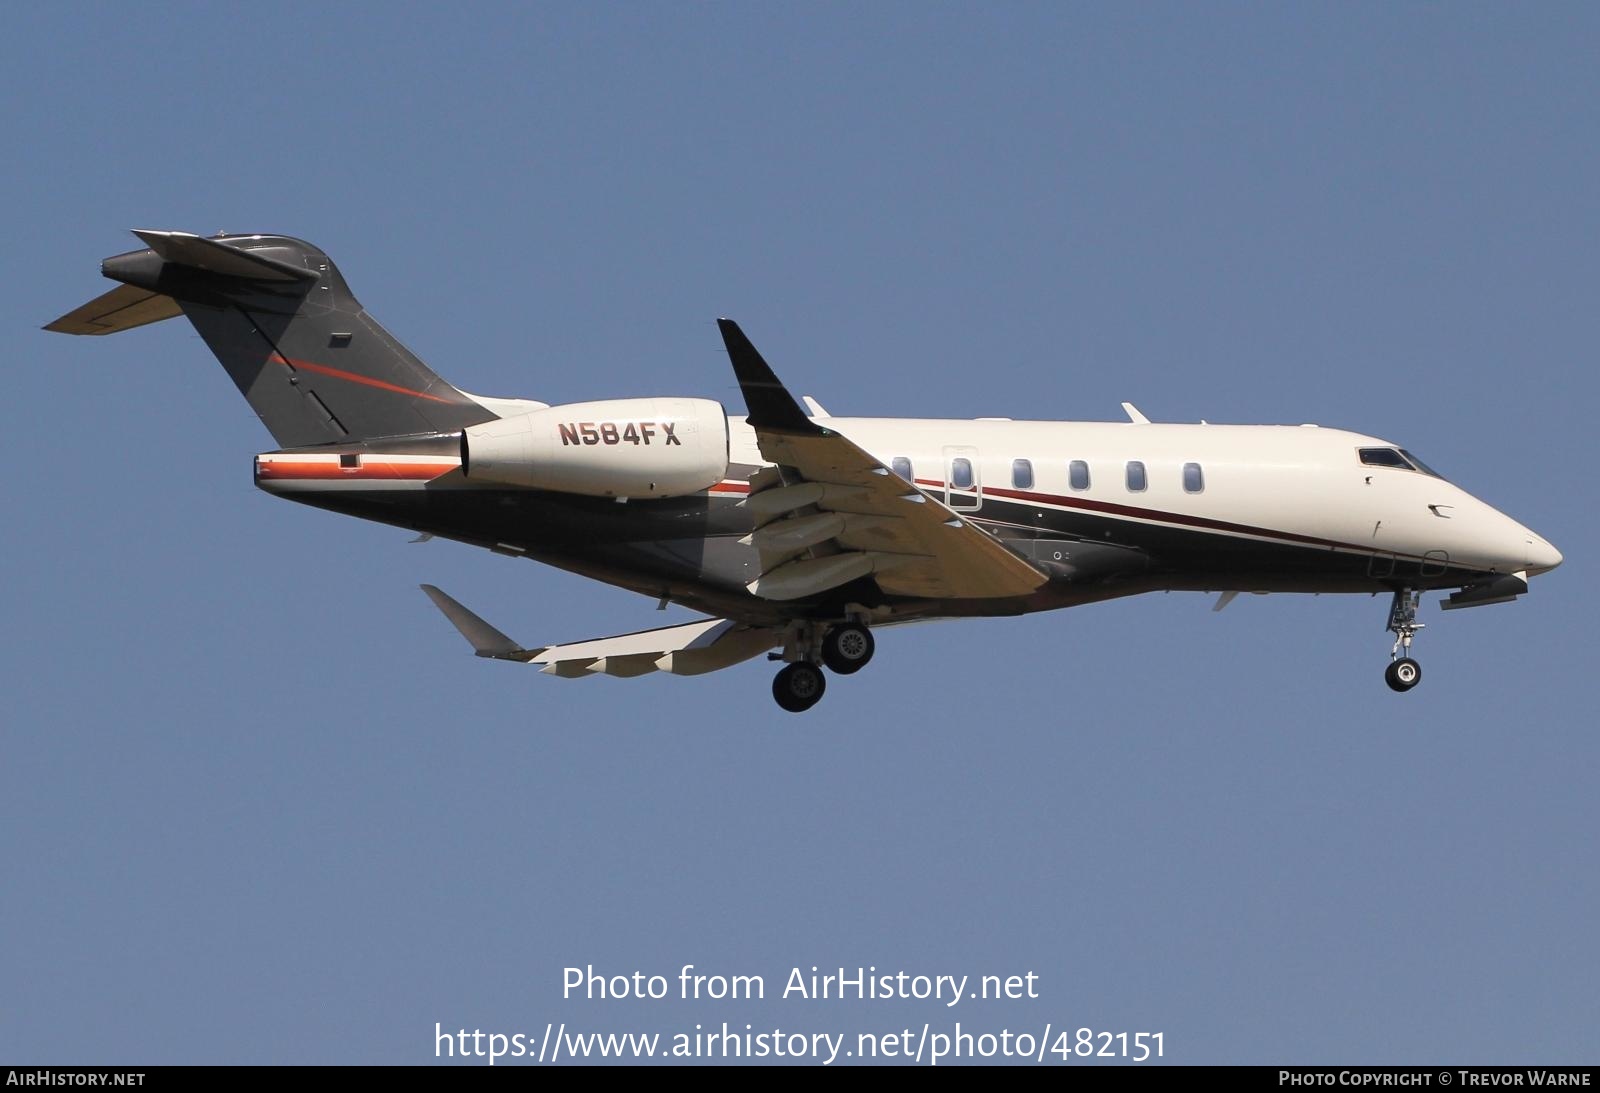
[370, 469]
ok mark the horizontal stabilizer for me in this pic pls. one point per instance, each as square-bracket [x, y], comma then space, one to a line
[213, 256]
[123, 308]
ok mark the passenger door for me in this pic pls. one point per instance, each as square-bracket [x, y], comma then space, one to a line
[963, 483]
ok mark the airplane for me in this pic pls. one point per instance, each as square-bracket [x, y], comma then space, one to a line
[798, 534]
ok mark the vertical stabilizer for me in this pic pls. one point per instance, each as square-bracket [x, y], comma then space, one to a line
[314, 366]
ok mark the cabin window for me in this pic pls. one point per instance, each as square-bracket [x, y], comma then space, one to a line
[350, 461]
[902, 467]
[1078, 475]
[1022, 474]
[1136, 477]
[1194, 479]
[961, 474]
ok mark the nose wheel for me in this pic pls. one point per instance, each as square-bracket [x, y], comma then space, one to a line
[1403, 673]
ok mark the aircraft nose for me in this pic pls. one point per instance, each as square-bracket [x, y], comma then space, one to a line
[1542, 557]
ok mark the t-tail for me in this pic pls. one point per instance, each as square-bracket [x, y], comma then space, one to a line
[315, 367]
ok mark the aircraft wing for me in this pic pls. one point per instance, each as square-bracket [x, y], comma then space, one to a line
[833, 513]
[687, 650]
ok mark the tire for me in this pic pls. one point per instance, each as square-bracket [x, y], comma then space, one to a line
[1403, 674]
[798, 687]
[847, 648]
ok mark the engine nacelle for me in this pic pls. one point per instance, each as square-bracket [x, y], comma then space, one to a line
[633, 447]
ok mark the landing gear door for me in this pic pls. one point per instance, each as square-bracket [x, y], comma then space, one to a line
[963, 484]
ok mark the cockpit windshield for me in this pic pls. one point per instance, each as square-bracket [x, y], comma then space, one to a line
[1396, 457]
[1419, 464]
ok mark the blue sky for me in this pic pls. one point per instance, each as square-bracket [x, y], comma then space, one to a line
[260, 805]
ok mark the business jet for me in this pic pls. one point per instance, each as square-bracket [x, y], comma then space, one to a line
[798, 534]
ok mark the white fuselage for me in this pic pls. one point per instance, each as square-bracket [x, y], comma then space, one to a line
[1105, 509]
[1301, 484]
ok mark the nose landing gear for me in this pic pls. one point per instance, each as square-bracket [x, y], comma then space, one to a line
[1403, 673]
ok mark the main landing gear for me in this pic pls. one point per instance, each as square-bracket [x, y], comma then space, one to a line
[1403, 673]
[845, 648]
[799, 686]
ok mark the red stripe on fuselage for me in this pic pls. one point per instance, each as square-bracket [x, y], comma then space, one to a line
[324, 370]
[1158, 516]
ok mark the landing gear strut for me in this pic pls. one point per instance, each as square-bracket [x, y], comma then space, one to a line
[1403, 673]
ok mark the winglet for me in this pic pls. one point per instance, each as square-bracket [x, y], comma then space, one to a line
[814, 406]
[486, 641]
[770, 403]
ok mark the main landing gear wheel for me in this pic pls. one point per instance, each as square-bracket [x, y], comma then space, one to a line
[847, 648]
[1403, 674]
[799, 686]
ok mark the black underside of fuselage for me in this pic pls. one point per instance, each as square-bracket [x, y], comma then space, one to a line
[686, 549]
